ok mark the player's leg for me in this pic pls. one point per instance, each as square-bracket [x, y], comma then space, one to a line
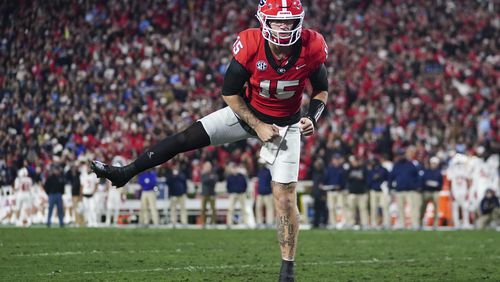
[22, 209]
[193, 137]
[108, 216]
[18, 207]
[78, 215]
[287, 216]
[92, 211]
[284, 172]
[287, 224]
[455, 210]
[216, 128]
[466, 217]
[110, 205]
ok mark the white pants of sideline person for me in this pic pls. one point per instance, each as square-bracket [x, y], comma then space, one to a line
[148, 202]
[178, 201]
[264, 202]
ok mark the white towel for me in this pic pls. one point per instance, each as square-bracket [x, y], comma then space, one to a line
[269, 150]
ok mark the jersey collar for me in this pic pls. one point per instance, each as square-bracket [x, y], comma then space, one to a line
[297, 48]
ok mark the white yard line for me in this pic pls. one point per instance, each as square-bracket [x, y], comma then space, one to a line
[49, 254]
[200, 268]
[57, 254]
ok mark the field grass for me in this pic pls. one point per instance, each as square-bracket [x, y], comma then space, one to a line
[39, 254]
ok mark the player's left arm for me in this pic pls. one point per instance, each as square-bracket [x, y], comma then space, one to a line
[319, 97]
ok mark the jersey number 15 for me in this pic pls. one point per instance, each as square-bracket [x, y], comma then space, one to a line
[279, 86]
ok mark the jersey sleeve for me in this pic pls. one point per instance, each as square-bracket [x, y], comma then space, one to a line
[318, 52]
[245, 47]
[234, 79]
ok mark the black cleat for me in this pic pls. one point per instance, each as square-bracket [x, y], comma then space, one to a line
[286, 272]
[119, 176]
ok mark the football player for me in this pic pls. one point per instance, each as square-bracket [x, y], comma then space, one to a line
[274, 61]
[22, 187]
[116, 197]
[89, 187]
[484, 176]
[458, 173]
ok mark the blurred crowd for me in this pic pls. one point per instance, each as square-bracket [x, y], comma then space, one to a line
[86, 80]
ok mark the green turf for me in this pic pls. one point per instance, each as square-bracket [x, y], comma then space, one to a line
[245, 255]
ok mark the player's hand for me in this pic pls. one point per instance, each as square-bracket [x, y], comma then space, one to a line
[306, 126]
[266, 132]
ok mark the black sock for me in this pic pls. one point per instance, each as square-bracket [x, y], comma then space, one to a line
[194, 137]
[286, 266]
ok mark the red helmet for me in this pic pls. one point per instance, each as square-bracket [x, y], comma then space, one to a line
[281, 10]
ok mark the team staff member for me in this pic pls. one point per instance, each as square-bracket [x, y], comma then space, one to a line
[148, 182]
[432, 181]
[236, 185]
[377, 176]
[406, 180]
[177, 192]
[208, 181]
[334, 184]
[357, 197]
[264, 196]
[54, 187]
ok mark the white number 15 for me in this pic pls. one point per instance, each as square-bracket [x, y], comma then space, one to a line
[281, 93]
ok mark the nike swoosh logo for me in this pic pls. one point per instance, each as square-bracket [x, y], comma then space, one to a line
[299, 67]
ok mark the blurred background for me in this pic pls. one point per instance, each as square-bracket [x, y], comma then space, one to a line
[410, 81]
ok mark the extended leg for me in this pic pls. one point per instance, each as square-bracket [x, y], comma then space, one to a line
[287, 223]
[194, 137]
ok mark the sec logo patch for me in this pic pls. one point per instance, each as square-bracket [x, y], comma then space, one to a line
[261, 65]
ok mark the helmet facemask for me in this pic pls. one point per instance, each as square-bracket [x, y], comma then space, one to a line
[280, 37]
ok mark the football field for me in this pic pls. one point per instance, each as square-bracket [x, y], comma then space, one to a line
[69, 254]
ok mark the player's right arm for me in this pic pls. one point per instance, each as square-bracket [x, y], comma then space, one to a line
[237, 74]
[234, 80]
